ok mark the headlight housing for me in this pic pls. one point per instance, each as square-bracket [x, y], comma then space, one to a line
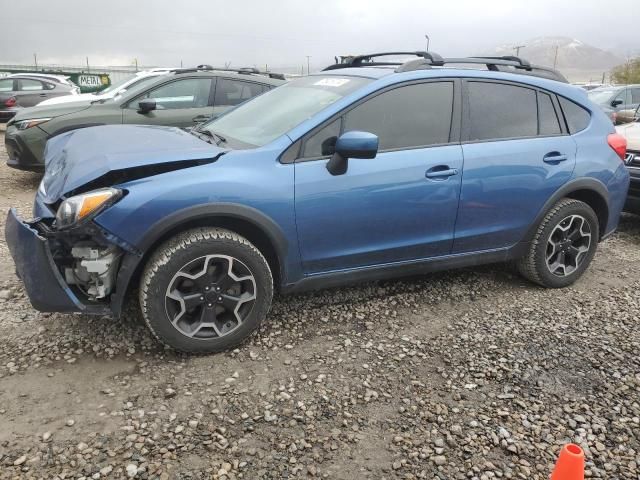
[32, 122]
[80, 208]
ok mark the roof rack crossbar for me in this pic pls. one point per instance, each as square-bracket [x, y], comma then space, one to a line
[512, 58]
[366, 60]
[427, 60]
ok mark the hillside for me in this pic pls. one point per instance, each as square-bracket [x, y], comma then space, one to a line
[577, 60]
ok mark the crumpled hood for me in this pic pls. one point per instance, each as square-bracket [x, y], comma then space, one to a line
[78, 157]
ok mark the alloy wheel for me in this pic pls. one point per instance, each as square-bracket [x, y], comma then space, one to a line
[210, 296]
[568, 245]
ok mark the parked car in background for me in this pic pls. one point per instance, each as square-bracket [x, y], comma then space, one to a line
[614, 99]
[182, 98]
[631, 132]
[589, 86]
[23, 90]
[627, 116]
[369, 170]
[113, 90]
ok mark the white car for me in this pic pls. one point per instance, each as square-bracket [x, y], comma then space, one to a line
[112, 90]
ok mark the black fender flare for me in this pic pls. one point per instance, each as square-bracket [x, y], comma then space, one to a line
[131, 262]
[589, 183]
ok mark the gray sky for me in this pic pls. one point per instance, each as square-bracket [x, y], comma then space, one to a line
[281, 33]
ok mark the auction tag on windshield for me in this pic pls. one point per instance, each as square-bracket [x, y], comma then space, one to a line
[332, 82]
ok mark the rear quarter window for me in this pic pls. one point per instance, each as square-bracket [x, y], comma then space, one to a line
[577, 117]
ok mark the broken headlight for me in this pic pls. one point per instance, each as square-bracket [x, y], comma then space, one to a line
[79, 208]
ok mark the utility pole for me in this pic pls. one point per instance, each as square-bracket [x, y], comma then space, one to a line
[308, 65]
[88, 69]
[555, 57]
[35, 60]
[517, 49]
[136, 61]
[428, 40]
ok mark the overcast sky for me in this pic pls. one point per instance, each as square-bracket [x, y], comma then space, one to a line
[283, 32]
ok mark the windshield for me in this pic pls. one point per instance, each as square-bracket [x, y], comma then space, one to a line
[272, 114]
[601, 96]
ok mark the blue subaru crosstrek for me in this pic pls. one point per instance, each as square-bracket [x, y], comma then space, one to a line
[367, 170]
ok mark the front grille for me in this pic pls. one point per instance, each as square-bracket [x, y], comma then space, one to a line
[632, 159]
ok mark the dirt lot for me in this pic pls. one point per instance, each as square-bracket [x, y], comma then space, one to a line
[472, 374]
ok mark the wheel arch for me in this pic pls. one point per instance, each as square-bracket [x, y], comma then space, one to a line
[588, 190]
[248, 222]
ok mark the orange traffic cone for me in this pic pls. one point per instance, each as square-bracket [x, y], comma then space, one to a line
[570, 464]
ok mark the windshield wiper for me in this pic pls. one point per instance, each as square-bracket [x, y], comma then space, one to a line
[220, 139]
[210, 137]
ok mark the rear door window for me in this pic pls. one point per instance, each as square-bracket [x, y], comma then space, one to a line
[549, 123]
[577, 117]
[27, 85]
[501, 111]
[635, 95]
[406, 117]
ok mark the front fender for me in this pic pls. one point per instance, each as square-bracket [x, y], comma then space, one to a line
[132, 263]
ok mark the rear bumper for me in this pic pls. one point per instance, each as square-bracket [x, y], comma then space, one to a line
[42, 280]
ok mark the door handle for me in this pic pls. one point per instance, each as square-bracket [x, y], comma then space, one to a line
[43, 94]
[201, 118]
[441, 171]
[554, 157]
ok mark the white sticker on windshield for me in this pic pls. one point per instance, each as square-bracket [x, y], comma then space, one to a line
[332, 82]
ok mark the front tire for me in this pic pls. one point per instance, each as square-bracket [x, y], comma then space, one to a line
[205, 290]
[563, 246]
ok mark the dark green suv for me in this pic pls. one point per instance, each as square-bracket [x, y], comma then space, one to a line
[182, 98]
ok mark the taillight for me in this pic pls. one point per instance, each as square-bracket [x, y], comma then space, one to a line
[10, 102]
[618, 143]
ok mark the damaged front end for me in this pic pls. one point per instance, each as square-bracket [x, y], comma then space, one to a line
[67, 262]
[64, 271]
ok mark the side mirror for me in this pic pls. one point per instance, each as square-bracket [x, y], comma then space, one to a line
[352, 145]
[146, 105]
[616, 102]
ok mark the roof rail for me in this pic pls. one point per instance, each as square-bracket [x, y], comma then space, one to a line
[242, 71]
[428, 60]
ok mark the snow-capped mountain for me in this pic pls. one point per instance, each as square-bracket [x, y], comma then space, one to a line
[575, 58]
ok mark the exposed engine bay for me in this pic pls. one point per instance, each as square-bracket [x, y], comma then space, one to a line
[87, 260]
[94, 269]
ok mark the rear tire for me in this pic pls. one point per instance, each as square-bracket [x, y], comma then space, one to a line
[563, 246]
[205, 290]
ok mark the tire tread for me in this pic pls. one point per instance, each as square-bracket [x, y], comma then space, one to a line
[527, 264]
[183, 241]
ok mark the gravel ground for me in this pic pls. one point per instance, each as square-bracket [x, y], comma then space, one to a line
[470, 374]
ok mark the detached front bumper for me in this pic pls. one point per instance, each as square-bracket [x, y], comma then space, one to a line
[42, 280]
